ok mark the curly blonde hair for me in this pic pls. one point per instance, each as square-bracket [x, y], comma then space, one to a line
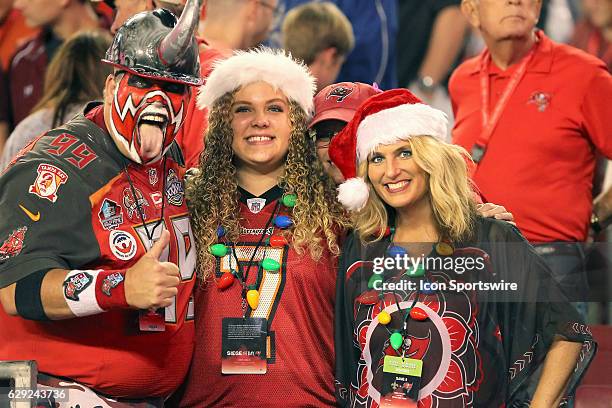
[450, 192]
[317, 216]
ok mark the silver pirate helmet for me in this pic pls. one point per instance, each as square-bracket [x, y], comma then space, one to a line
[154, 44]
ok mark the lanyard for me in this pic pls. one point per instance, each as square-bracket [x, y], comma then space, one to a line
[490, 120]
[140, 210]
[403, 331]
[242, 277]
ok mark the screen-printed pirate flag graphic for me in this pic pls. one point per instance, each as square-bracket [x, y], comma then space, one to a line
[48, 181]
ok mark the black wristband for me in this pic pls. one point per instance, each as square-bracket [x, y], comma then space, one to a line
[426, 84]
[595, 224]
[27, 297]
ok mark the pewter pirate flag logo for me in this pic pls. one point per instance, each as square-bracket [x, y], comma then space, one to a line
[13, 245]
[340, 92]
[540, 99]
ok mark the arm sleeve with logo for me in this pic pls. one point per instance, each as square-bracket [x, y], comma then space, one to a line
[37, 233]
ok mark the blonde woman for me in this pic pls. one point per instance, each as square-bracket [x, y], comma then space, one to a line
[437, 306]
[266, 223]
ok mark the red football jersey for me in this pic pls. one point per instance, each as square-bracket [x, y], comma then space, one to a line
[87, 217]
[298, 302]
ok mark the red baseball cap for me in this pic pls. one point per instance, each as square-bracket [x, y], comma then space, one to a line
[340, 101]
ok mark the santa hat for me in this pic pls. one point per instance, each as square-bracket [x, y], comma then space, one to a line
[385, 118]
[275, 67]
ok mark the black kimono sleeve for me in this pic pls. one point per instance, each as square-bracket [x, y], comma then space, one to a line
[538, 315]
[347, 353]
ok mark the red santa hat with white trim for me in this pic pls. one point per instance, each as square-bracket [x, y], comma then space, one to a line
[385, 118]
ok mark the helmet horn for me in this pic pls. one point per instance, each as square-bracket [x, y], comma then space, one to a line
[174, 45]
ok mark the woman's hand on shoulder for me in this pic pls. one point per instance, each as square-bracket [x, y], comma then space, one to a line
[499, 212]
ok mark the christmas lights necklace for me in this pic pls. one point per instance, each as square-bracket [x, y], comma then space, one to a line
[250, 295]
[397, 338]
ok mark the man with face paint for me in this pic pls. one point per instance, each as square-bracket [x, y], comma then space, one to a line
[96, 250]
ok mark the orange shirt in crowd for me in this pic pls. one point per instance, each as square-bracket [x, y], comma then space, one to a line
[540, 158]
[13, 34]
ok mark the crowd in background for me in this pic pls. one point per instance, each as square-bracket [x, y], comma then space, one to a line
[543, 103]
[49, 49]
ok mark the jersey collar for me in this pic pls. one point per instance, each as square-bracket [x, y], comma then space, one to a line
[270, 196]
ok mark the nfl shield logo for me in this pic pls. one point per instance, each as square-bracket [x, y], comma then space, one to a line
[256, 204]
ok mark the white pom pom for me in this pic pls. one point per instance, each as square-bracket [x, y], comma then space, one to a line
[353, 194]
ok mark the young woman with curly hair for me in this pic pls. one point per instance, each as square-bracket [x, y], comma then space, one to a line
[267, 227]
[417, 318]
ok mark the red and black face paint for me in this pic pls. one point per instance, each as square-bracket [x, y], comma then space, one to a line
[146, 115]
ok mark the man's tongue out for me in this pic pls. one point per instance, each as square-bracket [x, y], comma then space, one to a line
[151, 140]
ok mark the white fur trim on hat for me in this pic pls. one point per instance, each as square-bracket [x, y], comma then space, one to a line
[398, 123]
[353, 194]
[275, 67]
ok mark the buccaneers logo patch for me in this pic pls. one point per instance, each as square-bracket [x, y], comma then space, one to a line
[540, 99]
[76, 284]
[110, 215]
[122, 244]
[48, 181]
[340, 93]
[174, 189]
[13, 245]
[110, 282]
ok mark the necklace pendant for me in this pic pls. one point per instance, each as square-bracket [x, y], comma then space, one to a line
[283, 221]
[218, 250]
[270, 264]
[276, 241]
[384, 318]
[226, 280]
[289, 200]
[396, 339]
[444, 248]
[253, 298]
[396, 251]
[373, 279]
[418, 314]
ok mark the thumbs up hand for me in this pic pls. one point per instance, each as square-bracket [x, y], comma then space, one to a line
[151, 284]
